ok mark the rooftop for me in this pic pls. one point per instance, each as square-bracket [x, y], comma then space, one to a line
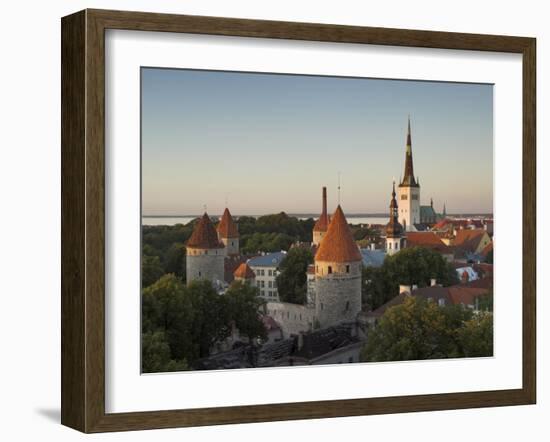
[227, 227]
[204, 235]
[267, 260]
[338, 244]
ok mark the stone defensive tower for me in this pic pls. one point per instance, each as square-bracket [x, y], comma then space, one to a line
[321, 226]
[408, 192]
[338, 266]
[228, 234]
[205, 253]
[395, 240]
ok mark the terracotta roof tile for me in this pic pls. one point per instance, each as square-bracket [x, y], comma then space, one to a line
[469, 239]
[427, 239]
[227, 227]
[204, 235]
[244, 271]
[338, 245]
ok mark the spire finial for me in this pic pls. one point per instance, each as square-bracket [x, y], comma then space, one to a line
[204, 207]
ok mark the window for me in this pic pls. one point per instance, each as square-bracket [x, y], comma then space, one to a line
[274, 283]
[329, 270]
[206, 252]
[347, 306]
[347, 268]
[404, 197]
[322, 306]
[350, 359]
[389, 245]
[270, 284]
[199, 273]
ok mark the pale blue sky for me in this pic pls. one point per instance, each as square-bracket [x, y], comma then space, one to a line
[269, 142]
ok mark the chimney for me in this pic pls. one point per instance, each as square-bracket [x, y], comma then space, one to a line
[433, 282]
[406, 289]
[324, 200]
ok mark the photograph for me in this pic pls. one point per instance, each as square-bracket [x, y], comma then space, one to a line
[296, 220]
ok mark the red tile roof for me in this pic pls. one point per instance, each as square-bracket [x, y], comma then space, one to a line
[465, 295]
[429, 240]
[204, 235]
[338, 245]
[469, 239]
[227, 228]
[244, 271]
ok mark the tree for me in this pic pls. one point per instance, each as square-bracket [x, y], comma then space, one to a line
[210, 321]
[156, 356]
[410, 266]
[476, 336]
[174, 260]
[151, 270]
[292, 281]
[166, 307]
[243, 305]
[265, 242]
[417, 329]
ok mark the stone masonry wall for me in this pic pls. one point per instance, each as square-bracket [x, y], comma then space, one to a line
[292, 318]
[231, 245]
[209, 266]
[338, 299]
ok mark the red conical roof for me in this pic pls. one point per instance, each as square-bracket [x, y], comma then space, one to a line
[244, 271]
[322, 223]
[227, 228]
[204, 235]
[338, 245]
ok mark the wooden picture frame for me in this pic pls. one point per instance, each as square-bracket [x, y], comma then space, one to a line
[83, 220]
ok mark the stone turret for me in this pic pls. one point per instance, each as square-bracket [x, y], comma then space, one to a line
[338, 265]
[321, 226]
[205, 253]
[228, 234]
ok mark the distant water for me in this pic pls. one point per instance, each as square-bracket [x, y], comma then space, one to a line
[171, 221]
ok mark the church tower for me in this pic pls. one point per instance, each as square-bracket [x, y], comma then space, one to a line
[321, 226]
[228, 234]
[395, 240]
[205, 253]
[408, 192]
[338, 265]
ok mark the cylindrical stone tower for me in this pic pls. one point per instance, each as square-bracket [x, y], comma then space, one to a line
[338, 265]
[321, 226]
[228, 234]
[205, 253]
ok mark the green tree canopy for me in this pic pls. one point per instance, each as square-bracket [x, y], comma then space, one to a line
[243, 305]
[191, 319]
[156, 355]
[419, 329]
[292, 281]
[410, 266]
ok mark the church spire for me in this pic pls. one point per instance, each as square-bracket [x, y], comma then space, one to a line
[408, 179]
[393, 228]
